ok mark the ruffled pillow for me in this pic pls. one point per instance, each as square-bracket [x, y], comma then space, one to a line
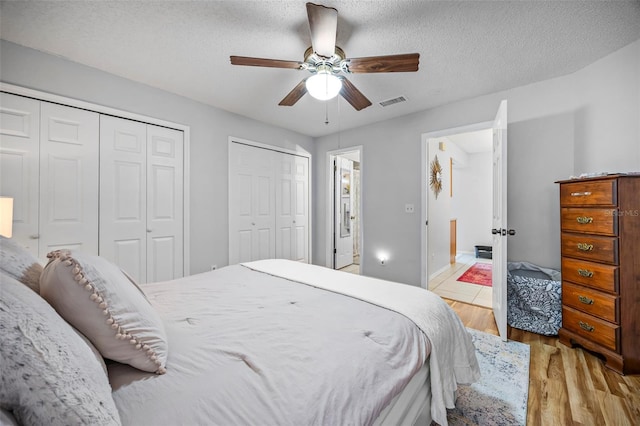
[18, 263]
[98, 299]
[48, 374]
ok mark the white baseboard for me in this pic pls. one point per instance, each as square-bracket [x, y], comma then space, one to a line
[439, 271]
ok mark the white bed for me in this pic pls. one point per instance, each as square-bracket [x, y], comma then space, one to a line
[272, 342]
[264, 343]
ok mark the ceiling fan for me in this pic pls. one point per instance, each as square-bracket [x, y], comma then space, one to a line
[328, 63]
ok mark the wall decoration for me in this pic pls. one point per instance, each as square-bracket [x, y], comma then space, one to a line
[435, 179]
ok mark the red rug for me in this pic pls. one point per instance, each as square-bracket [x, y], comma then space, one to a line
[480, 273]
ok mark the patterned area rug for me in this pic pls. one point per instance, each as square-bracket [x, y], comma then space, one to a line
[479, 273]
[500, 396]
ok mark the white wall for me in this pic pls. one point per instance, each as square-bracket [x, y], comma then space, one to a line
[472, 201]
[210, 129]
[585, 121]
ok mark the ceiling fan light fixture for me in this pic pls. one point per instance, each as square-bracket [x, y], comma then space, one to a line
[324, 85]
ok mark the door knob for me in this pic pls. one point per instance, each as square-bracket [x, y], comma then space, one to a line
[149, 230]
[511, 232]
[496, 231]
[34, 237]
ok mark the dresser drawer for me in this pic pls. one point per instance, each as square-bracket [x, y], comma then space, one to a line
[588, 220]
[590, 301]
[590, 247]
[595, 193]
[602, 332]
[591, 274]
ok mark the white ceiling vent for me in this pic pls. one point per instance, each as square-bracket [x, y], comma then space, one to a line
[393, 101]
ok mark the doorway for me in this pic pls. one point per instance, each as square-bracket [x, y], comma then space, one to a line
[457, 268]
[499, 223]
[344, 218]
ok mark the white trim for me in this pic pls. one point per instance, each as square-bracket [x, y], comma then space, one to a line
[424, 281]
[329, 205]
[75, 103]
[300, 153]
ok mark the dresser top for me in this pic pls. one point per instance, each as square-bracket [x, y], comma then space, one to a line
[604, 177]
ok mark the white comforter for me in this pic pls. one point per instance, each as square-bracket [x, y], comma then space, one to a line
[248, 348]
[452, 358]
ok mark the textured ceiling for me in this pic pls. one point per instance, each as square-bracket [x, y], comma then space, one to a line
[467, 48]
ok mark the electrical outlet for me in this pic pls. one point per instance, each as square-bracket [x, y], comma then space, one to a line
[409, 208]
[214, 267]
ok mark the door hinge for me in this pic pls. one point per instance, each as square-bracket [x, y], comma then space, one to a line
[335, 251]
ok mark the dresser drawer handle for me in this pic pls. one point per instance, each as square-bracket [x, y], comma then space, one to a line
[585, 300]
[585, 273]
[585, 247]
[580, 194]
[584, 220]
[585, 326]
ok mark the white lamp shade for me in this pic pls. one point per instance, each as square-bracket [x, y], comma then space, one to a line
[6, 216]
[323, 85]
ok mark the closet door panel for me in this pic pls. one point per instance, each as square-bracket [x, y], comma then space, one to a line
[69, 174]
[123, 186]
[300, 240]
[19, 163]
[165, 203]
[252, 231]
[286, 204]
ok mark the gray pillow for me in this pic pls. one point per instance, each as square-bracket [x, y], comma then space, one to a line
[48, 374]
[18, 263]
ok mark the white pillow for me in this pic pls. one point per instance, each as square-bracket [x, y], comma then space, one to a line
[48, 374]
[18, 263]
[98, 299]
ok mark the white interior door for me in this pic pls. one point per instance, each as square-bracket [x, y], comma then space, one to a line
[252, 216]
[499, 222]
[165, 204]
[292, 207]
[123, 187]
[344, 208]
[19, 165]
[69, 173]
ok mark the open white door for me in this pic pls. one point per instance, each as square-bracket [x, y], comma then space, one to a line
[344, 207]
[499, 222]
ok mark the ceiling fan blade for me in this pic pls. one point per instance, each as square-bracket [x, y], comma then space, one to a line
[294, 96]
[353, 95]
[260, 62]
[392, 63]
[323, 24]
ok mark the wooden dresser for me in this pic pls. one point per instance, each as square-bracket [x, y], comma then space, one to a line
[600, 246]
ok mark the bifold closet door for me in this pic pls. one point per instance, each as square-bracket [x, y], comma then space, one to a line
[268, 204]
[69, 173]
[19, 164]
[165, 204]
[141, 198]
[292, 207]
[123, 187]
[251, 203]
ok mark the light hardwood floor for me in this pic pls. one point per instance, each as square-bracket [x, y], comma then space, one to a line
[566, 386]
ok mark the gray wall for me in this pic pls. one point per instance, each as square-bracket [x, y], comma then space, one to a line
[210, 129]
[582, 122]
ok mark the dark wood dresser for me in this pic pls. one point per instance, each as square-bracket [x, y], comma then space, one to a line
[600, 246]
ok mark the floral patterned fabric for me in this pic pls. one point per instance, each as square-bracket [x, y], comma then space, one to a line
[534, 304]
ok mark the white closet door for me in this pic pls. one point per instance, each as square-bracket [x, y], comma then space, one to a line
[292, 207]
[285, 206]
[301, 209]
[252, 218]
[68, 179]
[123, 187]
[165, 204]
[19, 163]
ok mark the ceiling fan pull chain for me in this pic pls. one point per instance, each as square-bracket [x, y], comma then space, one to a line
[326, 113]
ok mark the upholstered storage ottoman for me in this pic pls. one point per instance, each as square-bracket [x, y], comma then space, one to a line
[534, 298]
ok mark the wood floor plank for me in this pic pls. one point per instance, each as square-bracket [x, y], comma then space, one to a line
[567, 386]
